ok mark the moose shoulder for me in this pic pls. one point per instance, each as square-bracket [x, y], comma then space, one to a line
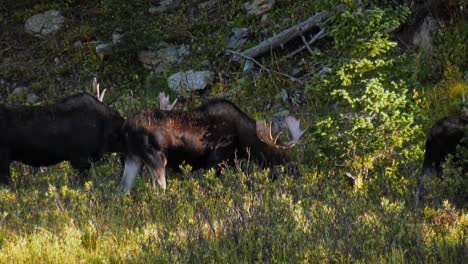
[79, 128]
[215, 132]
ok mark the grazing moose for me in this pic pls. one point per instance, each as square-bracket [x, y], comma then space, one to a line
[442, 139]
[78, 128]
[215, 132]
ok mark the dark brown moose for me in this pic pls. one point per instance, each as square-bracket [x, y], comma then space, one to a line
[215, 132]
[79, 129]
[442, 139]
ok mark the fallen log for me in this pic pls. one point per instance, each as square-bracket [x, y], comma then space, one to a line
[285, 36]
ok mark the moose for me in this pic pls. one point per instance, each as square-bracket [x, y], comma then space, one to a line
[442, 139]
[79, 128]
[215, 132]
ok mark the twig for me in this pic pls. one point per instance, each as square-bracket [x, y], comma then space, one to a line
[263, 67]
[307, 45]
[321, 34]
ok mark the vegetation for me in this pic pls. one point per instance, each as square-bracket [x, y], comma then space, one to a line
[360, 161]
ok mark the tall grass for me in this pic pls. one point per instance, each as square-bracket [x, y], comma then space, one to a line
[242, 216]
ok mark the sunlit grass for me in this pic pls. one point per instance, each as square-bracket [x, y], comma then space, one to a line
[237, 217]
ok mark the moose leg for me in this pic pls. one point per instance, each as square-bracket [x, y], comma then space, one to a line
[157, 162]
[82, 165]
[5, 161]
[131, 170]
[219, 155]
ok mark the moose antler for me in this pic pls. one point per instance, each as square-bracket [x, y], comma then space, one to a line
[294, 126]
[264, 132]
[164, 103]
[96, 92]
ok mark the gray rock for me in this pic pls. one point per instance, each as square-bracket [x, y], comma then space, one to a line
[278, 122]
[117, 36]
[162, 56]
[248, 65]
[44, 23]
[238, 38]
[164, 5]
[189, 80]
[20, 89]
[208, 4]
[32, 98]
[104, 49]
[424, 36]
[78, 44]
[258, 7]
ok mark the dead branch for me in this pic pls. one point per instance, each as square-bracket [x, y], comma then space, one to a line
[237, 54]
[285, 36]
[321, 34]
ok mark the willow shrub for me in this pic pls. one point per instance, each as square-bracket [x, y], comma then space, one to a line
[368, 119]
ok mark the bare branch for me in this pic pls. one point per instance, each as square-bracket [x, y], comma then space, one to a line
[321, 34]
[265, 68]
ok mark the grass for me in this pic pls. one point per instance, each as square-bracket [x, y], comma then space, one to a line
[242, 216]
[238, 217]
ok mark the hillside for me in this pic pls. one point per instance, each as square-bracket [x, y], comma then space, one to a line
[366, 78]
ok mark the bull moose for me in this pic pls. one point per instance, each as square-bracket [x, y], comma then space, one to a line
[79, 128]
[215, 132]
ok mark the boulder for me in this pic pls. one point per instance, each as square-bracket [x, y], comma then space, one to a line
[189, 80]
[44, 23]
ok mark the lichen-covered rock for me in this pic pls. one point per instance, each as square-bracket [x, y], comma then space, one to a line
[164, 5]
[44, 23]
[20, 89]
[259, 7]
[189, 80]
[158, 58]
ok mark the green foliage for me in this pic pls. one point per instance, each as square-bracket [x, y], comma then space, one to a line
[365, 119]
[452, 45]
[363, 34]
[446, 98]
[373, 111]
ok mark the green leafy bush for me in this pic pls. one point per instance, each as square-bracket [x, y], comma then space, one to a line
[370, 119]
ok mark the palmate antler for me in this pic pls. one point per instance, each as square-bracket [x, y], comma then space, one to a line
[96, 91]
[264, 132]
[164, 103]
